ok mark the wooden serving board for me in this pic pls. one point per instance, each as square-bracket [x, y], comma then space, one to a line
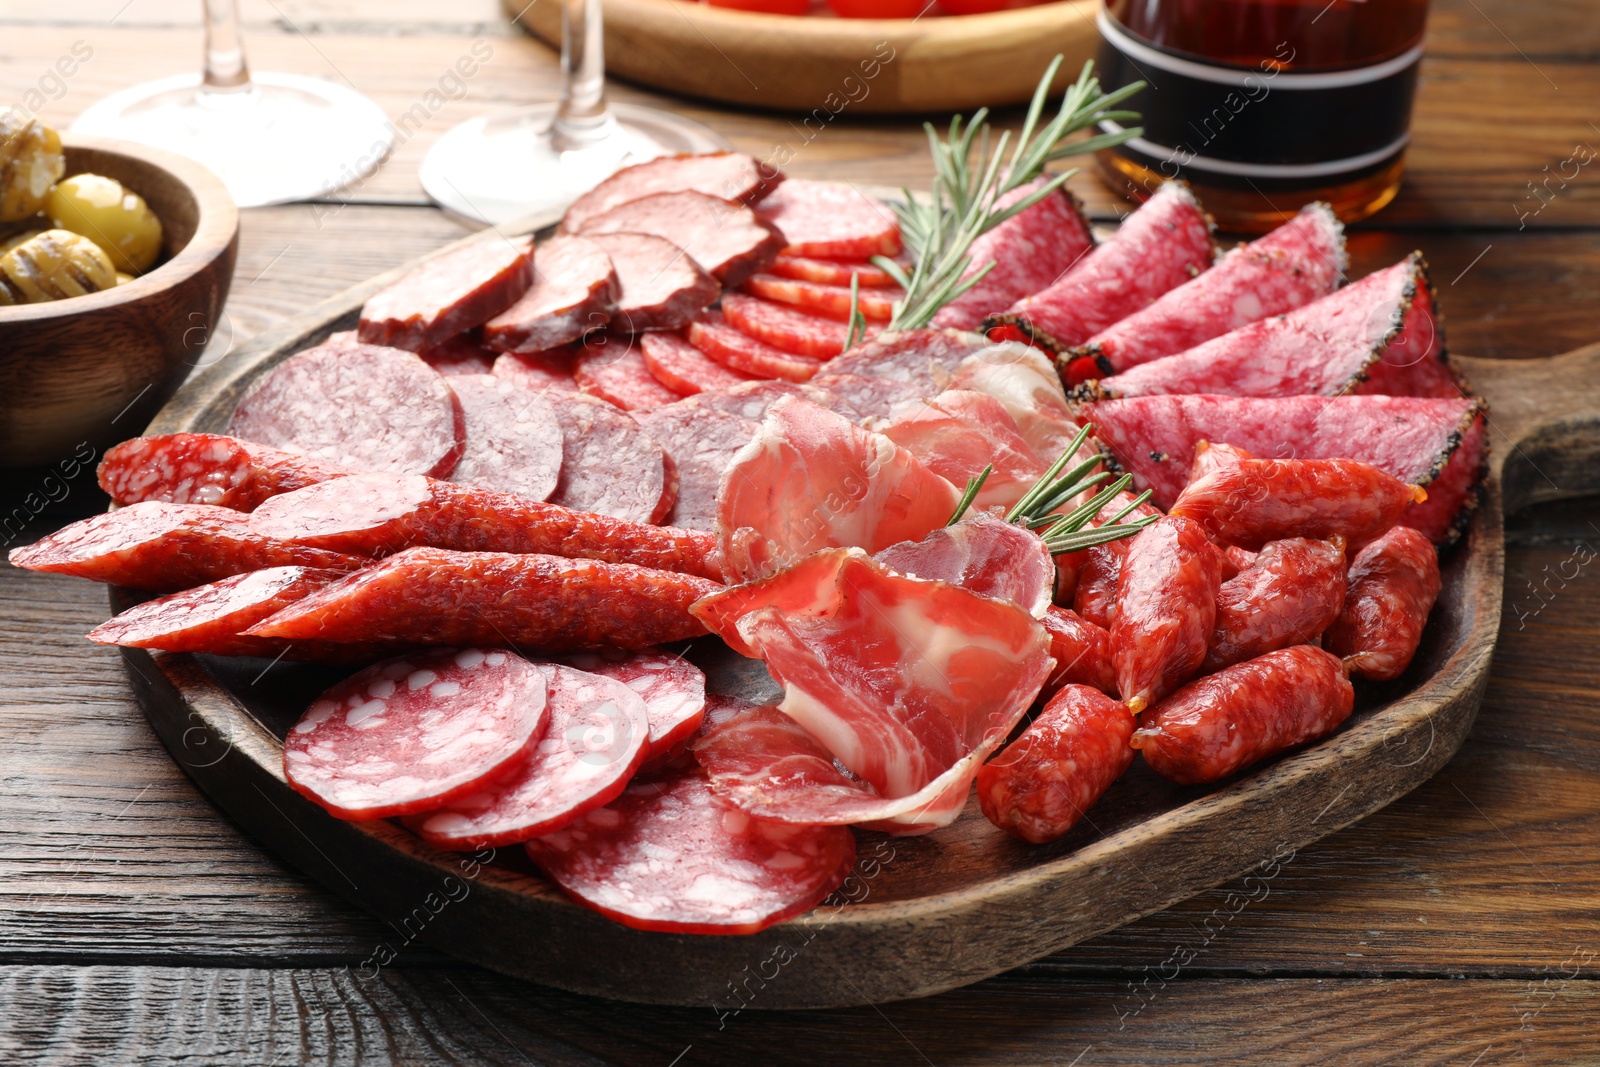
[824, 66]
[919, 915]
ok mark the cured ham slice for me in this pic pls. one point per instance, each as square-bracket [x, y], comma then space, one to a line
[670, 855]
[207, 468]
[810, 480]
[1435, 443]
[958, 433]
[984, 555]
[860, 399]
[672, 688]
[728, 175]
[1023, 381]
[908, 683]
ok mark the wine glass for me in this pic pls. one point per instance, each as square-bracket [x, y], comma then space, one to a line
[271, 139]
[534, 161]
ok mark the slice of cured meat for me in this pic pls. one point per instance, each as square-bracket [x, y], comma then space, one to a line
[411, 733]
[831, 219]
[207, 468]
[727, 175]
[1030, 251]
[829, 301]
[1398, 311]
[162, 547]
[784, 327]
[922, 358]
[610, 466]
[862, 400]
[682, 367]
[670, 855]
[358, 405]
[661, 287]
[376, 514]
[513, 438]
[831, 271]
[738, 351]
[702, 442]
[1025, 384]
[542, 371]
[462, 354]
[982, 554]
[611, 368]
[672, 688]
[431, 596]
[958, 433]
[1435, 443]
[597, 738]
[910, 684]
[1160, 246]
[449, 293]
[810, 480]
[1300, 261]
[723, 237]
[574, 288]
[752, 400]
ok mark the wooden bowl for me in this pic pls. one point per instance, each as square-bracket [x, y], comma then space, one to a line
[828, 66]
[84, 372]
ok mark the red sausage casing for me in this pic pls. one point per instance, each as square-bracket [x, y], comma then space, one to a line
[1393, 583]
[1082, 652]
[1095, 596]
[1287, 595]
[1166, 608]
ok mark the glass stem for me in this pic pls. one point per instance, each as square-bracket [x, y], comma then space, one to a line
[226, 71]
[582, 118]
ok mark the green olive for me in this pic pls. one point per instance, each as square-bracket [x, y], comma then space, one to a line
[30, 162]
[109, 214]
[53, 266]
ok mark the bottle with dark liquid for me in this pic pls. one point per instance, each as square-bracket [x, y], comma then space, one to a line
[1264, 105]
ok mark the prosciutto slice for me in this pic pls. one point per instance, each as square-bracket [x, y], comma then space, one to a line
[958, 433]
[984, 555]
[1027, 386]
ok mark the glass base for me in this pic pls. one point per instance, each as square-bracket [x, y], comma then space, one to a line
[287, 137]
[501, 167]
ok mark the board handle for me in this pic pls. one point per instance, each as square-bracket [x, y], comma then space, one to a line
[1544, 423]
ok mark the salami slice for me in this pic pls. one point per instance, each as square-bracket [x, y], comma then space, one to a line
[598, 736]
[864, 401]
[462, 354]
[723, 237]
[513, 438]
[449, 293]
[829, 301]
[206, 468]
[669, 855]
[830, 271]
[673, 690]
[752, 400]
[610, 467]
[574, 288]
[702, 441]
[411, 733]
[982, 554]
[541, 371]
[831, 219]
[960, 432]
[376, 514]
[361, 406]
[661, 288]
[161, 547]
[611, 368]
[1160, 246]
[1436, 443]
[682, 367]
[1295, 264]
[1030, 252]
[432, 596]
[923, 358]
[727, 175]
[741, 352]
[784, 327]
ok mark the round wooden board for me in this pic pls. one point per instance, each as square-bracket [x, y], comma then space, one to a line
[824, 66]
[919, 915]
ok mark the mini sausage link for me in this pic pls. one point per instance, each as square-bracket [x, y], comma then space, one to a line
[1224, 722]
[1288, 595]
[1166, 608]
[1095, 598]
[1040, 786]
[1082, 652]
[1393, 583]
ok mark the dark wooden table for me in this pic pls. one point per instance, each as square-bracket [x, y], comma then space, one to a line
[1461, 925]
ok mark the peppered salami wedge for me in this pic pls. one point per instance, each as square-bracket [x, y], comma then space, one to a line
[725, 238]
[830, 271]
[1435, 443]
[1160, 246]
[207, 468]
[1295, 264]
[574, 288]
[599, 734]
[412, 733]
[784, 327]
[673, 690]
[727, 175]
[377, 514]
[432, 596]
[541, 371]
[449, 293]
[611, 368]
[702, 441]
[462, 354]
[741, 352]
[661, 288]
[162, 547]
[610, 467]
[358, 405]
[669, 855]
[831, 219]
[923, 358]
[513, 438]
[1396, 311]
[829, 301]
[682, 367]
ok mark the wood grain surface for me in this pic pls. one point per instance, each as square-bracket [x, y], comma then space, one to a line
[137, 925]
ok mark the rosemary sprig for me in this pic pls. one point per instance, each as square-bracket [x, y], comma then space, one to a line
[858, 322]
[970, 493]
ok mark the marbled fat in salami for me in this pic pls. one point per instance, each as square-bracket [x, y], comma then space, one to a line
[610, 466]
[672, 688]
[540, 371]
[922, 358]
